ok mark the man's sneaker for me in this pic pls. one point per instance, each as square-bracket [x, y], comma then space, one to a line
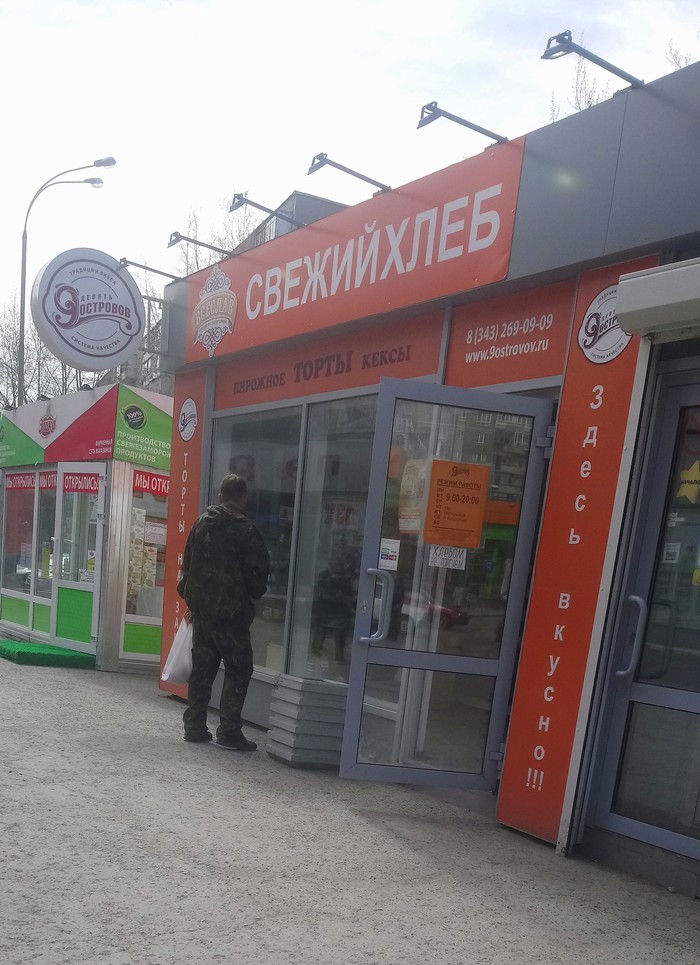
[197, 736]
[237, 742]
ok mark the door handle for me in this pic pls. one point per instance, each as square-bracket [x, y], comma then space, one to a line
[669, 643]
[638, 636]
[382, 631]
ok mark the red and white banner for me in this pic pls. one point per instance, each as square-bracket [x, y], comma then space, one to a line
[19, 480]
[81, 482]
[47, 480]
[150, 482]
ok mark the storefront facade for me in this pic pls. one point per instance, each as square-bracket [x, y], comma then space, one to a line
[85, 480]
[455, 454]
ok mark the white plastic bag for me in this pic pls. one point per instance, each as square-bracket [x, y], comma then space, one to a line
[178, 666]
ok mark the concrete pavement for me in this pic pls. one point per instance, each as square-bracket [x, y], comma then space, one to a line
[123, 845]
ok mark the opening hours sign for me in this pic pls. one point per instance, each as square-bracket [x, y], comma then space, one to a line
[456, 503]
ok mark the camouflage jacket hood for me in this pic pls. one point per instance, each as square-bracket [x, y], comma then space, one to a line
[225, 566]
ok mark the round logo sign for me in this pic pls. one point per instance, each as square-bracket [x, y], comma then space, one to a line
[134, 416]
[88, 310]
[187, 420]
[47, 426]
[600, 337]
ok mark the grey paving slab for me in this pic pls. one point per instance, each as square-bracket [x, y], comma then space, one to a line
[123, 845]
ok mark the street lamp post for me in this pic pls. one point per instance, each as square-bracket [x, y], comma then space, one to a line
[103, 162]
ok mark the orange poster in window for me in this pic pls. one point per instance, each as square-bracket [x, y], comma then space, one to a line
[456, 506]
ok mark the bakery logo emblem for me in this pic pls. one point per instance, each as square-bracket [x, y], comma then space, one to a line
[47, 426]
[134, 417]
[600, 337]
[88, 310]
[215, 311]
[187, 420]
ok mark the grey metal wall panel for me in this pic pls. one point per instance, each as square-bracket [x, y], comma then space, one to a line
[657, 188]
[614, 178]
[566, 190]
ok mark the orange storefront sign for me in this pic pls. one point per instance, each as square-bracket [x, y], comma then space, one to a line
[454, 515]
[511, 339]
[403, 350]
[446, 233]
[576, 531]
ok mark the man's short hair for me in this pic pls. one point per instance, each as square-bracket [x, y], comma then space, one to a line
[233, 487]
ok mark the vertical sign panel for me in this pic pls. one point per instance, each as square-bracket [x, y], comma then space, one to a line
[183, 507]
[565, 596]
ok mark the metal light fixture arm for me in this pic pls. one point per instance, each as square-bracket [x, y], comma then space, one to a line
[561, 44]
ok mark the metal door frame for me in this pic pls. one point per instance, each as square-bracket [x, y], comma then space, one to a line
[87, 468]
[502, 668]
[675, 392]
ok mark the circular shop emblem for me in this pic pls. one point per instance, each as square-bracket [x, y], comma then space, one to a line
[88, 310]
[600, 337]
[47, 426]
[187, 420]
[134, 416]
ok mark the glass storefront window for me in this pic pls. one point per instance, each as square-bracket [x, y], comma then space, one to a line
[46, 526]
[264, 449]
[458, 611]
[449, 732]
[332, 519]
[147, 537]
[671, 653]
[659, 780]
[19, 531]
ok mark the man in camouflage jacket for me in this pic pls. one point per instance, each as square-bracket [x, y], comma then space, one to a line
[225, 567]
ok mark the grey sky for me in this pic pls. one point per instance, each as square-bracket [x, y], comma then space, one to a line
[200, 98]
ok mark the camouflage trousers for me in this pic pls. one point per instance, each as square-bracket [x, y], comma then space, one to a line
[213, 643]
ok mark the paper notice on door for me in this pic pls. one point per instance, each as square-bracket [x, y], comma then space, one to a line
[448, 557]
[456, 504]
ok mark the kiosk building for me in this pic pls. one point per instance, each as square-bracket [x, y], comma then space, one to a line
[84, 484]
[468, 411]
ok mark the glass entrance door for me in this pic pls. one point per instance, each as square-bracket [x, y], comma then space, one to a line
[651, 782]
[454, 491]
[80, 499]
